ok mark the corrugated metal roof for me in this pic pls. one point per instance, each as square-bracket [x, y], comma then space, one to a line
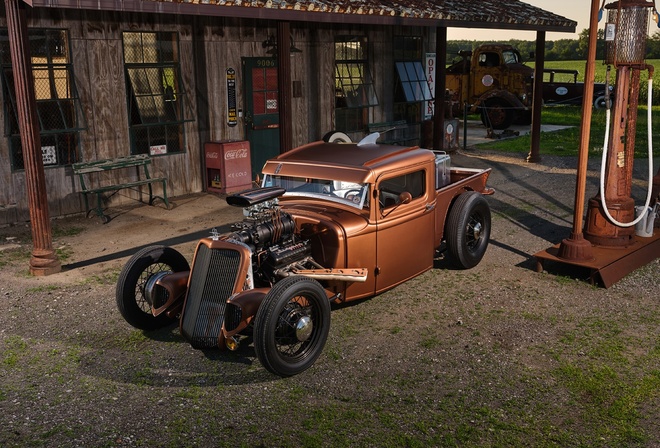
[506, 14]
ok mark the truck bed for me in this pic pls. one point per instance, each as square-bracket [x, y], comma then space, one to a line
[462, 180]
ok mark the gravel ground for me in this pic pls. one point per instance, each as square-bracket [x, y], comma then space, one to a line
[498, 355]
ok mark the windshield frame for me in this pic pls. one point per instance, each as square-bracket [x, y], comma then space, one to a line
[332, 190]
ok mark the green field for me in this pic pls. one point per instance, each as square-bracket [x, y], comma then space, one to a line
[601, 68]
[601, 71]
[565, 142]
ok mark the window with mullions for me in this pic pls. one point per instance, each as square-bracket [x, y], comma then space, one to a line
[354, 88]
[411, 88]
[58, 106]
[154, 95]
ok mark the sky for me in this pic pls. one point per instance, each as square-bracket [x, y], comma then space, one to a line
[578, 10]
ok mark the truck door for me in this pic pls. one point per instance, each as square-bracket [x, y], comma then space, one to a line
[486, 72]
[261, 110]
[405, 226]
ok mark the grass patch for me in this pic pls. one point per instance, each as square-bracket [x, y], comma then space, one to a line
[14, 349]
[62, 231]
[10, 257]
[43, 288]
[566, 142]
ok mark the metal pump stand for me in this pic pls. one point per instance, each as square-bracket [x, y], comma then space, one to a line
[610, 251]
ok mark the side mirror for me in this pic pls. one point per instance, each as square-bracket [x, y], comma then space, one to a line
[405, 197]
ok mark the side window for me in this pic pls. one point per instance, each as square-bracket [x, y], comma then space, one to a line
[489, 59]
[155, 96]
[59, 112]
[389, 190]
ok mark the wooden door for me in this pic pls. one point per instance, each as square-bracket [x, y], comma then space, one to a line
[261, 110]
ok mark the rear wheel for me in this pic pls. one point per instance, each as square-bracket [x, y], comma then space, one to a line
[497, 114]
[292, 325]
[468, 229]
[132, 302]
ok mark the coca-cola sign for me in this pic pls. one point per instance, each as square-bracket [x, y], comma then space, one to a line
[212, 155]
[239, 153]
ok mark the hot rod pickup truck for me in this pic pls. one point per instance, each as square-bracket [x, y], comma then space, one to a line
[331, 223]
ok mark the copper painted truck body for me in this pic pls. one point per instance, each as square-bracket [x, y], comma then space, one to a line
[333, 222]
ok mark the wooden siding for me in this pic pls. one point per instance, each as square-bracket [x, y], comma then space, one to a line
[208, 47]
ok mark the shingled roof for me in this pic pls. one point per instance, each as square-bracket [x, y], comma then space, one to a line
[501, 14]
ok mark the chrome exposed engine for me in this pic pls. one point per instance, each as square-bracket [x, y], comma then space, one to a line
[269, 232]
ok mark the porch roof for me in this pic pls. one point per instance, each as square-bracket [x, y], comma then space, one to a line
[495, 14]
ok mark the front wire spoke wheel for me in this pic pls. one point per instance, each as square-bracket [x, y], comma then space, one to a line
[292, 325]
[131, 299]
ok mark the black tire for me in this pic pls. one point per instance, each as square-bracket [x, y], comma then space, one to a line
[468, 229]
[336, 137]
[523, 117]
[601, 102]
[497, 114]
[281, 348]
[131, 301]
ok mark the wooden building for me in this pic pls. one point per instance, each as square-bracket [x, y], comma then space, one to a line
[114, 78]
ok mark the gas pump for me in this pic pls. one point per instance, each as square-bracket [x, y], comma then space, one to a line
[608, 244]
[611, 217]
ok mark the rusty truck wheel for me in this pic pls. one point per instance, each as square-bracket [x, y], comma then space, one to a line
[497, 114]
[133, 305]
[292, 325]
[468, 229]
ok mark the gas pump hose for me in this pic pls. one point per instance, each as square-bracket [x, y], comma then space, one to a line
[650, 155]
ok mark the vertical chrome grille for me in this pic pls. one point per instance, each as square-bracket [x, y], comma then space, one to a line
[211, 283]
[233, 317]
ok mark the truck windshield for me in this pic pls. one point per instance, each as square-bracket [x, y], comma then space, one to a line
[349, 193]
[511, 57]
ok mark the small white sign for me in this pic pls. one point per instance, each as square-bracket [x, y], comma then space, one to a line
[157, 150]
[610, 32]
[49, 155]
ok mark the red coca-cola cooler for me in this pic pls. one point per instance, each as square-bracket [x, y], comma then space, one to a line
[228, 166]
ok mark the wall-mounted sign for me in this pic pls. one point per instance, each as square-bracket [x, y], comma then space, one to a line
[49, 155]
[232, 115]
[430, 79]
[157, 150]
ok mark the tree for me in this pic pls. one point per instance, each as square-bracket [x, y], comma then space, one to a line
[653, 46]
[583, 44]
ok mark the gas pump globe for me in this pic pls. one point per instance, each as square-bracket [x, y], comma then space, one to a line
[612, 211]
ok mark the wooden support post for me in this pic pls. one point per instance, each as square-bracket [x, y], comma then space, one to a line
[440, 87]
[44, 260]
[284, 85]
[534, 150]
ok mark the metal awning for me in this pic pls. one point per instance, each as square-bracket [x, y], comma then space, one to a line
[498, 14]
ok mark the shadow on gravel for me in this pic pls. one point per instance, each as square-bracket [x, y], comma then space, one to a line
[217, 367]
[187, 238]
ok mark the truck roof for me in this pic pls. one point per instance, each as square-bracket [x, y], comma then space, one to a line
[346, 161]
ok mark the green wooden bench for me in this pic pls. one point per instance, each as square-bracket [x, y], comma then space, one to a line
[84, 169]
[394, 132]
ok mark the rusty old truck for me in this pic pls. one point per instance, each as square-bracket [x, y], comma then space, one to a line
[331, 223]
[493, 81]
